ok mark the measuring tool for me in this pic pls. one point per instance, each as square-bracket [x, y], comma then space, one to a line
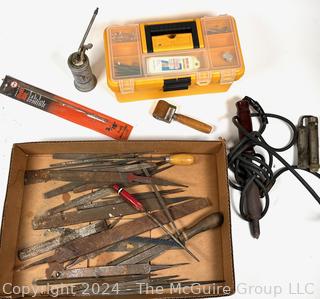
[64, 108]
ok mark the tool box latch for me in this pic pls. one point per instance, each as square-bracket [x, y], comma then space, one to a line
[227, 76]
[203, 78]
[176, 84]
[165, 37]
[126, 86]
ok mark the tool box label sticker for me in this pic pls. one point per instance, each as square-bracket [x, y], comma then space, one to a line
[172, 64]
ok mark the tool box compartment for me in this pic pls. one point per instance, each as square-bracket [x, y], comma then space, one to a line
[207, 178]
[141, 57]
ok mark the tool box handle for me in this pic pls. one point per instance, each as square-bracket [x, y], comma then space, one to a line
[171, 28]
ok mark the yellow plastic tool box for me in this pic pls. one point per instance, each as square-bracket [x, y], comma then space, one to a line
[172, 58]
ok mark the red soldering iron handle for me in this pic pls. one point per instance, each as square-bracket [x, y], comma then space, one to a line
[128, 197]
[252, 194]
[244, 117]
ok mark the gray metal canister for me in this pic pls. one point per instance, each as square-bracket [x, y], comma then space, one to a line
[303, 147]
[84, 79]
[313, 143]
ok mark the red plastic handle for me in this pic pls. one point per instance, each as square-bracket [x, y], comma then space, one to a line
[244, 118]
[128, 197]
[243, 112]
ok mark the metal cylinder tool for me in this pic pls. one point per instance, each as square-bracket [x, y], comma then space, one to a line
[78, 62]
[84, 79]
[308, 143]
[313, 144]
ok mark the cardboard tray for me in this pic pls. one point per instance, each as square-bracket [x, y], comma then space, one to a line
[206, 178]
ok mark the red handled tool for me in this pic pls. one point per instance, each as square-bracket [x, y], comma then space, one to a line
[251, 192]
[139, 207]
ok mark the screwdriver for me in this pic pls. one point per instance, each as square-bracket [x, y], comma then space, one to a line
[139, 207]
[175, 159]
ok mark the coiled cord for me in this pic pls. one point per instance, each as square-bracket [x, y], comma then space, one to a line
[249, 167]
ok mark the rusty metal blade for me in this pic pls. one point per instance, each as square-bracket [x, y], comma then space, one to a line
[61, 190]
[151, 180]
[137, 242]
[107, 167]
[80, 201]
[137, 289]
[105, 177]
[33, 264]
[94, 214]
[119, 233]
[110, 279]
[143, 286]
[131, 244]
[104, 271]
[162, 203]
[104, 203]
[80, 158]
[92, 186]
[147, 252]
[160, 169]
[89, 186]
[112, 200]
[123, 282]
[40, 248]
[135, 227]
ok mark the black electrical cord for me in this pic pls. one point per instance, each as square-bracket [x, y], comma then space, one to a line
[249, 167]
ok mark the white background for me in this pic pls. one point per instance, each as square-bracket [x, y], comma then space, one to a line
[281, 49]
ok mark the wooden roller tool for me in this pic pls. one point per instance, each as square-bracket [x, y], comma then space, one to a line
[167, 112]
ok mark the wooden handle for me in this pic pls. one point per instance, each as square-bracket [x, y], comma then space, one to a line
[212, 221]
[193, 123]
[181, 159]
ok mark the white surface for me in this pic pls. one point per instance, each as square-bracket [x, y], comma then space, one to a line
[281, 48]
